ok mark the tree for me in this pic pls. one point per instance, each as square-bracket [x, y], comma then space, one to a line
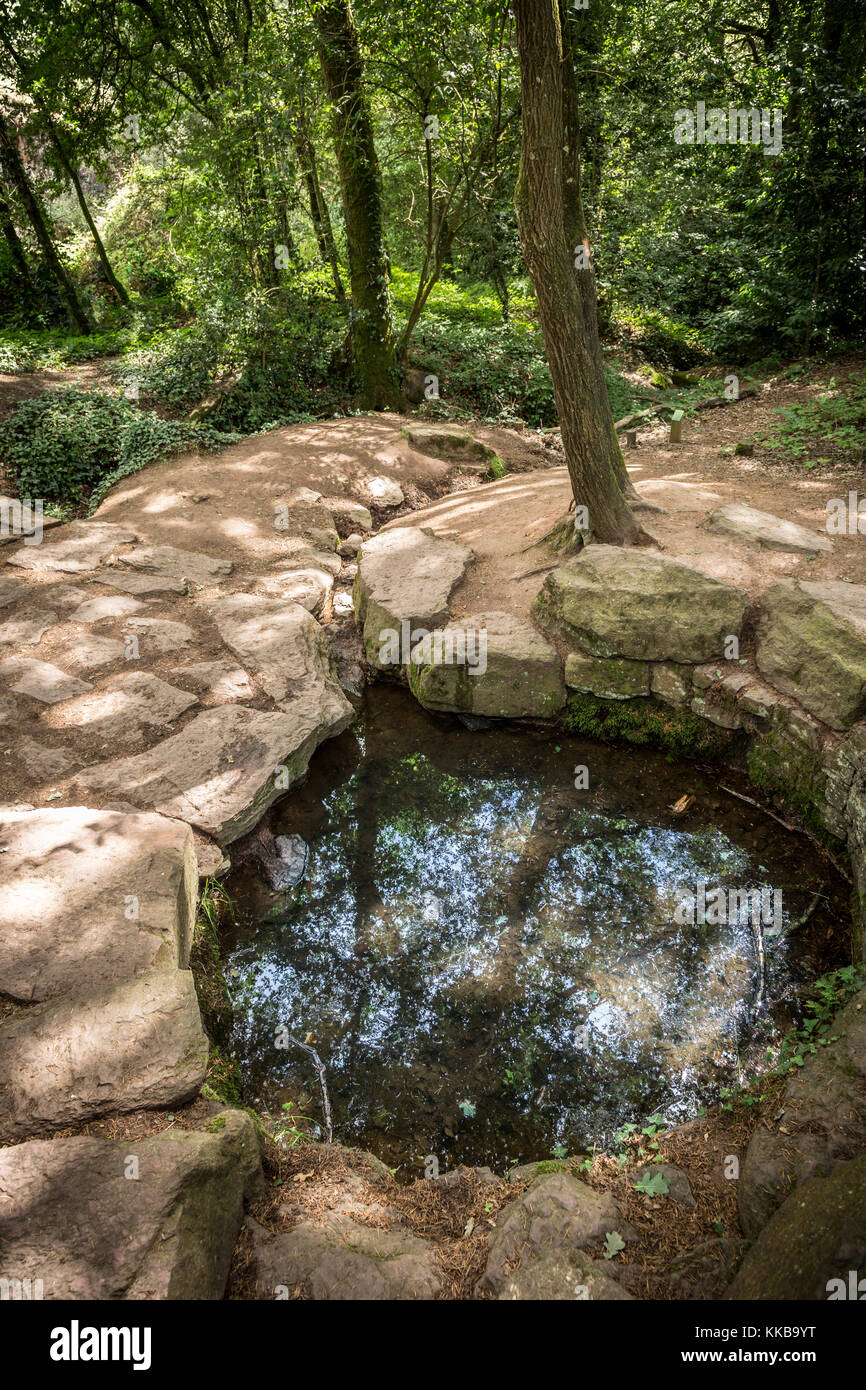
[546, 216]
[374, 347]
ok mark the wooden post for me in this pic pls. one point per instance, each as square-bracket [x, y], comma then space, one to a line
[676, 427]
[631, 439]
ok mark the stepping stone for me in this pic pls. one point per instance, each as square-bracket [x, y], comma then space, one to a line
[612, 601]
[307, 586]
[309, 524]
[77, 1222]
[105, 606]
[90, 898]
[348, 513]
[128, 1046]
[227, 766]
[44, 763]
[383, 491]
[84, 547]
[406, 575]
[222, 682]
[10, 590]
[276, 640]
[131, 704]
[142, 583]
[166, 561]
[440, 442]
[811, 644]
[160, 635]
[40, 680]
[340, 1259]
[301, 557]
[90, 651]
[489, 664]
[26, 632]
[752, 527]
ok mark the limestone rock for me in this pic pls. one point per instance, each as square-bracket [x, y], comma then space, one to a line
[623, 602]
[349, 514]
[446, 442]
[40, 680]
[26, 632]
[10, 590]
[679, 1187]
[85, 545]
[91, 650]
[72, 1217]
[226, 767]
[489, 664]
[41, 762]
[671, 684]
[746, 524]
[93, 610]
[610, 678]
[221, 681]
[405, 575]
[383, 491]
[120, 1047]
[159, 635]
[132, 703]
[277, 641]
[134, 583]
[812, 645]
[340, 1259]
[168, 562]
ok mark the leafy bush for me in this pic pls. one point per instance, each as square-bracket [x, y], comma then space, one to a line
[71, 446]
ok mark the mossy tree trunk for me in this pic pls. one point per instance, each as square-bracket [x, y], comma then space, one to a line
[372, 334]
[553, 237]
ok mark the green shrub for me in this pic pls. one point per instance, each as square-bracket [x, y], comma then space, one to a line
[70, 447]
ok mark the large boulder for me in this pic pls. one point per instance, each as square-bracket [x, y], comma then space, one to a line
[88, 898]
[341, 1259]
[610, 601]
[405, 578]
[226, 767]
[153, 1218]
[125, 1046]
[812, 645]
[815, 1246]
[746, 524]
[489, 664]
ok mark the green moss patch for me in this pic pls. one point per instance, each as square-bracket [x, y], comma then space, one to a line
[645, 722]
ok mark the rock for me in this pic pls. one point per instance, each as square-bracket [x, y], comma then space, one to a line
[130, 705]
[444, 442]
[282, 859]
[277, 641]
[105, 606]
[745, 524]
[557, 1215]
[310, 524]
[86, 544]
[10, 590]
[560, 1275]
[824, 1121]
[679, 1187]
[40, 680]
[8, 711]
[811, 644]
[168, 562]
[15, 524]
[383, 491]
[222, 682]
[300, 556]
[340, 1259]
[74, 1218]
[90, 898]
[607, 677]
[405, 575]
[348, 513]
[226, 767]
[814, 1248]
[704, 1271]
[622, 602]
[117, 578]
[126, 1046]
[308, 587]
[160, 635]
[719, 712]
[671, 684]
[351, 545]
[90, 651]
[26, 632]
[490, 664]
[42, 763]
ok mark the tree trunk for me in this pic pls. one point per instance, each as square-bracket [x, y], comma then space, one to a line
[372, 333]
[550, 219]
[13, 241]
[319, 214]
[18, 177]
[72, 174]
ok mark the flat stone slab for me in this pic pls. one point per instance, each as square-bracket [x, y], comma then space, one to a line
[610, 678]
[613, 601]
[133, 703]
[752, 527]
[26, 632]
[125, 1046]
[88, 898]
[165, 561]
[134, 583]
[220, 681]
[278, 641]
[340, 1259]
[405, 575]
[811, 644]
[442, 442]
[159, 635]
[10, 590]
[73, 1217]
[489, 664]
[41, 762]
[40, 680]
[226, 767]
[560, 1276]
[85, 545]
[90, 650]
[93, 610]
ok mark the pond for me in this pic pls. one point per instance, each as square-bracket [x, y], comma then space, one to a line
[507, 943]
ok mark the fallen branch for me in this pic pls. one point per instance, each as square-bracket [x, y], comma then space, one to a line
[320, 1072]
[801, 920]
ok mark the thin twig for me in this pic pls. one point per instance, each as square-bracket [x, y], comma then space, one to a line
[320, 1072]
